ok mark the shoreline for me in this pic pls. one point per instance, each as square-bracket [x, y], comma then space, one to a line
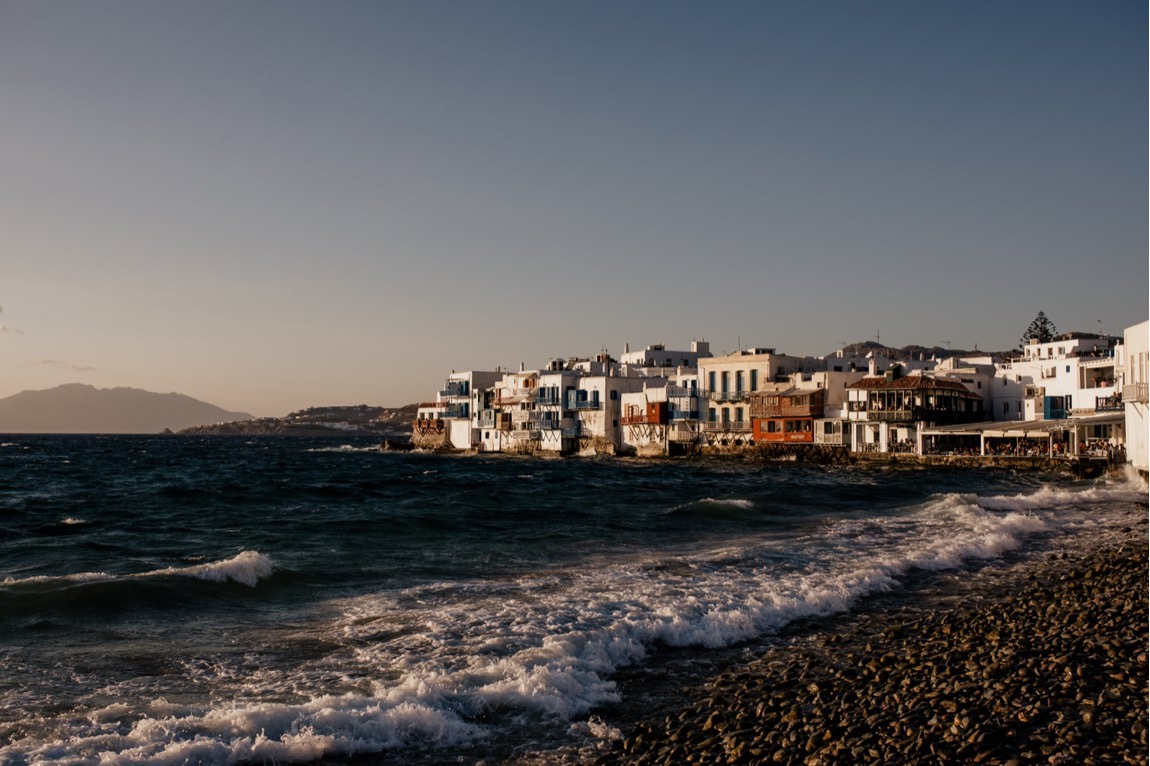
[1038, 659]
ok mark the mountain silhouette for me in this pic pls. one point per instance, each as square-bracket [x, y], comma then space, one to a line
[76, 408]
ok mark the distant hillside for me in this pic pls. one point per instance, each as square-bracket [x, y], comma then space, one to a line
[907, 353]
[384, 422]
[82, 409]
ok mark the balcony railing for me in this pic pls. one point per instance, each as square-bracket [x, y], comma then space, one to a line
[454, 388]
[681, 392]
[728, 426]
[788, 411]
[641, 420]
[1136, 392]
[588, 404]
[548, 399]
[726, 396]
[1112, 403]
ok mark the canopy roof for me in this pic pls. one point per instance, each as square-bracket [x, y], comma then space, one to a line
[1024, 428]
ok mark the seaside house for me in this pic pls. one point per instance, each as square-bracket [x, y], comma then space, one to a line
[553, 426]
[1067, 375]
[460, 401]
[428, 430]
[644, 418]
[727, 384]
[1073, 380]
[508, 408]
[596, 403]
[1135, 382]
[786, 416]
[886, 411]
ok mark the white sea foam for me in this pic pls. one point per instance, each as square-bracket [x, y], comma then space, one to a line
[344, 448]
[434, 661]
[247, 568]
[730, 502]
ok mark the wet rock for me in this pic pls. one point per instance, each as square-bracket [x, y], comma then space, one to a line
[1048, 667]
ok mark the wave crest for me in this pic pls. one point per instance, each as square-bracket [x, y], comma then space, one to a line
[246, 568]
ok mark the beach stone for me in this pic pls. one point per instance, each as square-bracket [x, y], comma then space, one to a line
[1046, 664]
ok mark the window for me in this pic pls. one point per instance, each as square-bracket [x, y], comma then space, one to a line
[614, 395]
[1005, 408]
[711, 412]
[726, 382]
[739, 414]
[739, 382]
[754, 380]
[711, 381]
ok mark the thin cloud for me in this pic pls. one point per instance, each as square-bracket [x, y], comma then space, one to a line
[67, 365]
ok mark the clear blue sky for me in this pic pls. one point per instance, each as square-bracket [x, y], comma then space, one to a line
[272, 205]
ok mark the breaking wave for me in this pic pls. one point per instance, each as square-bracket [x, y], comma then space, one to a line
[441, 664]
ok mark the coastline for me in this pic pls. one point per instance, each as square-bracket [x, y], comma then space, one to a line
[1041, 658]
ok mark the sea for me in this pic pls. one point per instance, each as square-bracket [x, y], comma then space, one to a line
[228, 600]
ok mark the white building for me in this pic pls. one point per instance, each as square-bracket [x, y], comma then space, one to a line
[645, 424]
[1134, 395]
[659, 357]
[507, 413]
[1073, 378]
[554, 426]
[596, 406]
[461, 399]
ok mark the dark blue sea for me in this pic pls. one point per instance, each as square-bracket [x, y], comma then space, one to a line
[218, 600]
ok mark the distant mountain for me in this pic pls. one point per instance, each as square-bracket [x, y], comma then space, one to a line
[76, 408]
[907, 353]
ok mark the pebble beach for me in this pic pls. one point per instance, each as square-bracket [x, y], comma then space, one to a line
[1038, 660]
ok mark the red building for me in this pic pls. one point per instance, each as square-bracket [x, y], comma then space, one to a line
[787, 416]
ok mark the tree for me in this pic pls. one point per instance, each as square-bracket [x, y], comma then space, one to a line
[1041, 328]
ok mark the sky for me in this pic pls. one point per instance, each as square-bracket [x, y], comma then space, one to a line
[276, 205]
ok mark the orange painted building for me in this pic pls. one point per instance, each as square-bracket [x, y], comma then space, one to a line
[786, 416]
